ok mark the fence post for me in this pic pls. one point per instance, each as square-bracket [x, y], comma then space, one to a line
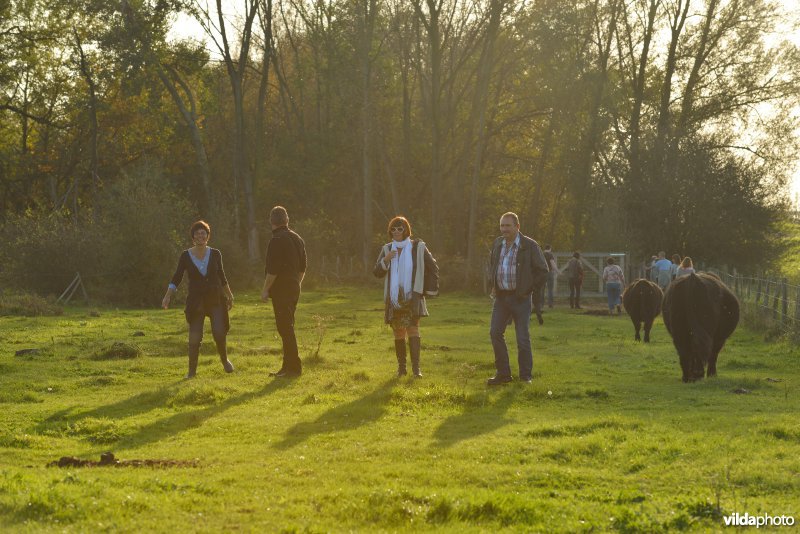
[775, 298]
[758, 291]
[797, 304]
[784, 302]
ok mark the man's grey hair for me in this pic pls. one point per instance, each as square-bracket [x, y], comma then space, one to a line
[278, 216]
[512, 215]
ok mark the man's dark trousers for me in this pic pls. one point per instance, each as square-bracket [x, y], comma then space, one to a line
[284, 308]
[508, 305]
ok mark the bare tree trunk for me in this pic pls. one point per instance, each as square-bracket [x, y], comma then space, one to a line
[169, 77]
[480, 103]
[267, 51]
[236, 69]
[677, 22]
[582, 174]
[638, 82]
[432, 27]
[538, 177]
[190, 120]
[366, 15]
[86, 72]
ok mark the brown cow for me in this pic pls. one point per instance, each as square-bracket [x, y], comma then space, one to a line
[642, 300]
[700, 313]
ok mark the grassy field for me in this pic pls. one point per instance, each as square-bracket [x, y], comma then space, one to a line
[606, 438]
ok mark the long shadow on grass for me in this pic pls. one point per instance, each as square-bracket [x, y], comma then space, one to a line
[138, 404]
[344, 417]
[183, 421]
[471, 422]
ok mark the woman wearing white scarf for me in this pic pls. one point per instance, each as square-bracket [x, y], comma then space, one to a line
[402, 268]
[408, 263]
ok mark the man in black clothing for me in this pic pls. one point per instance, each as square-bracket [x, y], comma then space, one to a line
[286, 267]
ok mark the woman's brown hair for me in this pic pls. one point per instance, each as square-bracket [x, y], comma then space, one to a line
[398, 221]
[687, 262]
[199, 225]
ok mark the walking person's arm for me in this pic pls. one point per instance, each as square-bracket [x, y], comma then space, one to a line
[173, 285]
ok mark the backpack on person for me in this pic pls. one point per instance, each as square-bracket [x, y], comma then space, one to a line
[574, 270]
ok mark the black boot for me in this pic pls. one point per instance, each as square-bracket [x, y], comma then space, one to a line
[400, 351]
[414, 345]
[194, 355]
[223, 355]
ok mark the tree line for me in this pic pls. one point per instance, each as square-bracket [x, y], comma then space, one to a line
[626, 125]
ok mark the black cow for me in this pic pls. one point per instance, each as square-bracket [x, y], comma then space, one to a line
[642, 300]
[700, 312]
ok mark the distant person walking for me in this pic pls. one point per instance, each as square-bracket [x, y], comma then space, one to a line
[550, 258]
[615, 281]
[663, 269]
[686, 268]
[284, 273]
[574, 272]
[410, 274]
[518, 269]
[209, 295]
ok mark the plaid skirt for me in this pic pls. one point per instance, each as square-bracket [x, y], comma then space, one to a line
[408, 313]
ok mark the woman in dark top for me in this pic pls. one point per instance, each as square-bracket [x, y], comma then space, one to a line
[209, 295]
[410, 274]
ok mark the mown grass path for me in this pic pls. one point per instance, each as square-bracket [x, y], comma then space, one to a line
[606, 438]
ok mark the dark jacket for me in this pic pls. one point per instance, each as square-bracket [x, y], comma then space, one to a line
[205, 292]
[532, 268]
[286, 259]
[574, 269]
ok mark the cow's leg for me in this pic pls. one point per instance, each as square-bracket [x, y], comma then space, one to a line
[686, 359]
[637, 325]
[699, 371]
[648, 324]
[712, 360]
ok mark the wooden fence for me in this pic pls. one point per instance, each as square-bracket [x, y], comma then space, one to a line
[775, 299]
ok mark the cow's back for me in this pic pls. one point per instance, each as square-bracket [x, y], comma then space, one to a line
[642, 300]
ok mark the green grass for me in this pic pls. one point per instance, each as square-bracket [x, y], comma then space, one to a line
[606, 438]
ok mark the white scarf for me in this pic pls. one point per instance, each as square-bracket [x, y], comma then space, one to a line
[401, 269]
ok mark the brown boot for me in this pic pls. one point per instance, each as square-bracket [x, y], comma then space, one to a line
[194, 355]
[415, 346]
[400, 351]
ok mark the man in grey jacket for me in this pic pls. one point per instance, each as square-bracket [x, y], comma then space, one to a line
[518, 268]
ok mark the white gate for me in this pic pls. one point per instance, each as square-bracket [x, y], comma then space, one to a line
[593, 265]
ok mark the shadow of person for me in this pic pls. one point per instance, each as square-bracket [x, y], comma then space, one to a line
[138, 404]
[471, 422]
[187, 420]
[354, 414]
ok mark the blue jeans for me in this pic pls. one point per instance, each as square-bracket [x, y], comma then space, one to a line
[507, 306]
[614, 290]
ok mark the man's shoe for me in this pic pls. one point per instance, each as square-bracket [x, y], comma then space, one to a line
[526, 380]
[498, 380]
